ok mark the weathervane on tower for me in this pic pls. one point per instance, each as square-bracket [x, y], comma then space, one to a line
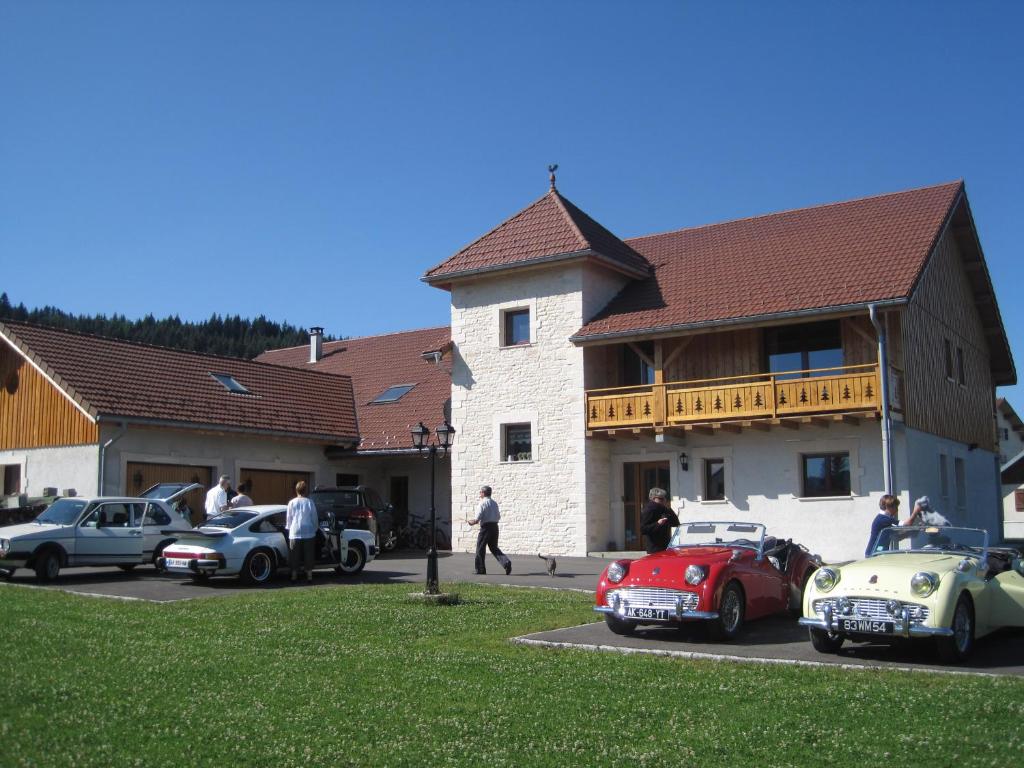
[551, 169]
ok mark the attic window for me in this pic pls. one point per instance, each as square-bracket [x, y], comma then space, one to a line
[393, 394]
[230, 384]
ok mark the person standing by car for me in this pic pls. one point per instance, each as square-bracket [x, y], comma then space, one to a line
[242, 498]
[487, 516]
[217, 497]
[300, 519]
[657, 521]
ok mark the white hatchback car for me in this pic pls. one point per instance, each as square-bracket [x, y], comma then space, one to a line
[251, 542]
[107, 530]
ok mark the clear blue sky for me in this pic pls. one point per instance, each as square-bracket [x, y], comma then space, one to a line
[309, 160]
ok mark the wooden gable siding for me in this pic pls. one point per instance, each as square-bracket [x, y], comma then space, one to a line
[33, 412]
[942, 307]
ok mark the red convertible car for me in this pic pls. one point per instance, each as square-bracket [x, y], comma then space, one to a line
[720, 573]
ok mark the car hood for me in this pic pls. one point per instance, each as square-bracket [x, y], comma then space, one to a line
[891, 574]
[669, 566]
[31, 530]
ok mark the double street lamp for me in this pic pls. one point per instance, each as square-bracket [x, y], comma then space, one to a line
[444, 435]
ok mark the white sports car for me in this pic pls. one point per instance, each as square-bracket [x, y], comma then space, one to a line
[252, 543]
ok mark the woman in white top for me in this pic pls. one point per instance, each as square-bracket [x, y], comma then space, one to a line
[301, 522]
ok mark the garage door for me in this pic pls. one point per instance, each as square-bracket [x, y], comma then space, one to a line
[141, 475]
[271, 486]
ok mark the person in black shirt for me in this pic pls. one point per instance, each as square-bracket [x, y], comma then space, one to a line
[657, 521]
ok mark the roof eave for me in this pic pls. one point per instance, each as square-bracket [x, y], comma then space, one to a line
[749, 320]
[110, 418]
[445, 279]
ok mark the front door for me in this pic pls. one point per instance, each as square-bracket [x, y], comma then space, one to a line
[637, 480]
[399, 498]
[111, 534]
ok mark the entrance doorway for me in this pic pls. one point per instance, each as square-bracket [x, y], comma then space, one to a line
[399, 499]
[637, 479]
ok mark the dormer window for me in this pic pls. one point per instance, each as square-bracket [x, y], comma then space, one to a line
[393, 394]
[515, 327]
[230, 383]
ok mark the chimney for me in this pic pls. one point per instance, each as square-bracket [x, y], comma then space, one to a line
[316, 344]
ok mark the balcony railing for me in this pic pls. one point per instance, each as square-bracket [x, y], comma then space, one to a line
[852, 388]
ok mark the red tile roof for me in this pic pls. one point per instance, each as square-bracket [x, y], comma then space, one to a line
[113, 379]
[548, 229]
[834, 255]
[376, 363]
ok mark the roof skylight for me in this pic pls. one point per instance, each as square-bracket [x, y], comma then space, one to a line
[393, 394]
[230, 383]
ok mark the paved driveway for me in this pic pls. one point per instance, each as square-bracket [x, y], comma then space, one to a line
[783, 641]
[144, 583]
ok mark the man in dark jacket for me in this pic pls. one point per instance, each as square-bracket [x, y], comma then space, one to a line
[657, 521]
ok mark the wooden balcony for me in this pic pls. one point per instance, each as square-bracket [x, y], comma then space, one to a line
[757, 400]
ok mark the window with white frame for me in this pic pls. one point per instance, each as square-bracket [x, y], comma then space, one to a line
[12, 479]
[825, 474]
[515, 327]
[516, 442]
[714, 480]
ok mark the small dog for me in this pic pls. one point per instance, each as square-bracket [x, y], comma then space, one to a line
[552, 563]
[933, 518]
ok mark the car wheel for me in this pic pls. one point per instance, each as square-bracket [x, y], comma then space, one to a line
[355, 560]
[47, 565]
[959, 646]
[825, 642]
[258, 568]
[619, 626]
[158, 553]
[127, 567]
[731, 609]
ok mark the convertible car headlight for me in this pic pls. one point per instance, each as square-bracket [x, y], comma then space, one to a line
[616, 572]
[695, 574]
[923, 584]
[826, 578]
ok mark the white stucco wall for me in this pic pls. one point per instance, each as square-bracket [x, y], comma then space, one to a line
[1013, 521]
[61, 468]
[544, 501]
[1013, 442]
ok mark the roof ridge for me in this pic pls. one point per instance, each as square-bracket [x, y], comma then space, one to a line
[12, 326]
[360, 338]
[490, 232]
[561, 204]
[958, 182]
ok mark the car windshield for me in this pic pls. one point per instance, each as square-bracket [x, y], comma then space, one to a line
[327, 500]
[931, 538]
[232, 519]
[720, 534]
[62, 512]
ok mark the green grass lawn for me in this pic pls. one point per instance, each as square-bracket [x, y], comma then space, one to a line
[361, 676]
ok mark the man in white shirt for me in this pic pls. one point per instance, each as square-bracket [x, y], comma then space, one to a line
[487, 516]
[217, 497]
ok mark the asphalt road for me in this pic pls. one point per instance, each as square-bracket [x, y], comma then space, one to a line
[144, 583]
[782, 641]
[773, 640]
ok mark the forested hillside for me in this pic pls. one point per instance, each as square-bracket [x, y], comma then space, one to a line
[220, 335]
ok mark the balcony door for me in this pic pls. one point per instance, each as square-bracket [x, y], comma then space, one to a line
[637, 480]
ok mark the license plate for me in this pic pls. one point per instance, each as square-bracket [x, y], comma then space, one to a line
[869, 626]
[176, 562]
[658, 614]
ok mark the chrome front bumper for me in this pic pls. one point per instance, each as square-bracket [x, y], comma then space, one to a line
[676, 616]
[901, 626]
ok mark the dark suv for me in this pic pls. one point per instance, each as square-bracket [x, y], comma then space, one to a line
[360, 507]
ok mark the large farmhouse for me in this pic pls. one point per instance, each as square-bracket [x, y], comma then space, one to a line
[788, 368]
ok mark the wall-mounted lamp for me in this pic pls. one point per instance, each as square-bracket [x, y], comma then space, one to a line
[684, 462]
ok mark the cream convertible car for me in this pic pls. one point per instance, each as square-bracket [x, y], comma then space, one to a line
[919, 582]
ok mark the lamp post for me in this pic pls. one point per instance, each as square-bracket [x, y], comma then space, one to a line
[443, 441]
